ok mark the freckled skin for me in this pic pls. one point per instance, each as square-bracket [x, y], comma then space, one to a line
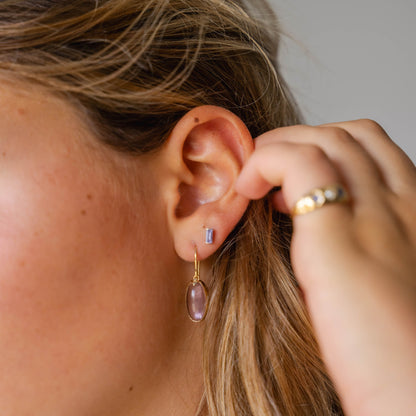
[87, 304]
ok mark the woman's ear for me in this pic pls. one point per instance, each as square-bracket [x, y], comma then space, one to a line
[204, 155]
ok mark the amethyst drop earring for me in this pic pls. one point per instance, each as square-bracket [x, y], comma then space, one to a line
[197, 296]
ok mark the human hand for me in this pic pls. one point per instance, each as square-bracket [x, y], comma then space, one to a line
[355, 261]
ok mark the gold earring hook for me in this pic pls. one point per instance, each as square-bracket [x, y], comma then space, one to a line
[196, 265]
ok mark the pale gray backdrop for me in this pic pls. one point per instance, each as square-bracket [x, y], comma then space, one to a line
[352, 59]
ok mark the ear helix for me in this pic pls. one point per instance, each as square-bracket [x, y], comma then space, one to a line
[196, 293]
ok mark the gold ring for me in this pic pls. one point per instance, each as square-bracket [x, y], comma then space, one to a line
[319, 197]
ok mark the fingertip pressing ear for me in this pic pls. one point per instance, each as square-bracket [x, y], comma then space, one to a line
[206, 151]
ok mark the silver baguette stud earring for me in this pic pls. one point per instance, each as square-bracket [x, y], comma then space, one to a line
[209, 235]
[196, 296]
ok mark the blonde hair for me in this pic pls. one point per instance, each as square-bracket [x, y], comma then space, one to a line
[136, 67]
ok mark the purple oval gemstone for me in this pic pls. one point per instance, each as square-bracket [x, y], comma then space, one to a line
[196, 301]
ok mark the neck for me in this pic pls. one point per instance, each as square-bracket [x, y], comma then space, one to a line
[176, 386]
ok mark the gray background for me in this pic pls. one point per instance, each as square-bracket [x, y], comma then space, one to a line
[352, 59]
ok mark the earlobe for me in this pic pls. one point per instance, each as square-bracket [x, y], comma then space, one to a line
[206, 150]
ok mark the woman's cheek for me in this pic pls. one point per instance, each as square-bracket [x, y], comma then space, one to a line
[34, 277]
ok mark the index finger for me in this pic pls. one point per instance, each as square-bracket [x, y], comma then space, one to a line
[297, 168]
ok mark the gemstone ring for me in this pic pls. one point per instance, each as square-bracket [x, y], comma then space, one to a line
[319, 197]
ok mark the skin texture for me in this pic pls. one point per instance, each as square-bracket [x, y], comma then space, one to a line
[91, 318]
[92, 313]
[97, 250]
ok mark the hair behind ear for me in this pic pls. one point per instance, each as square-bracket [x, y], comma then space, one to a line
[258, 334]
